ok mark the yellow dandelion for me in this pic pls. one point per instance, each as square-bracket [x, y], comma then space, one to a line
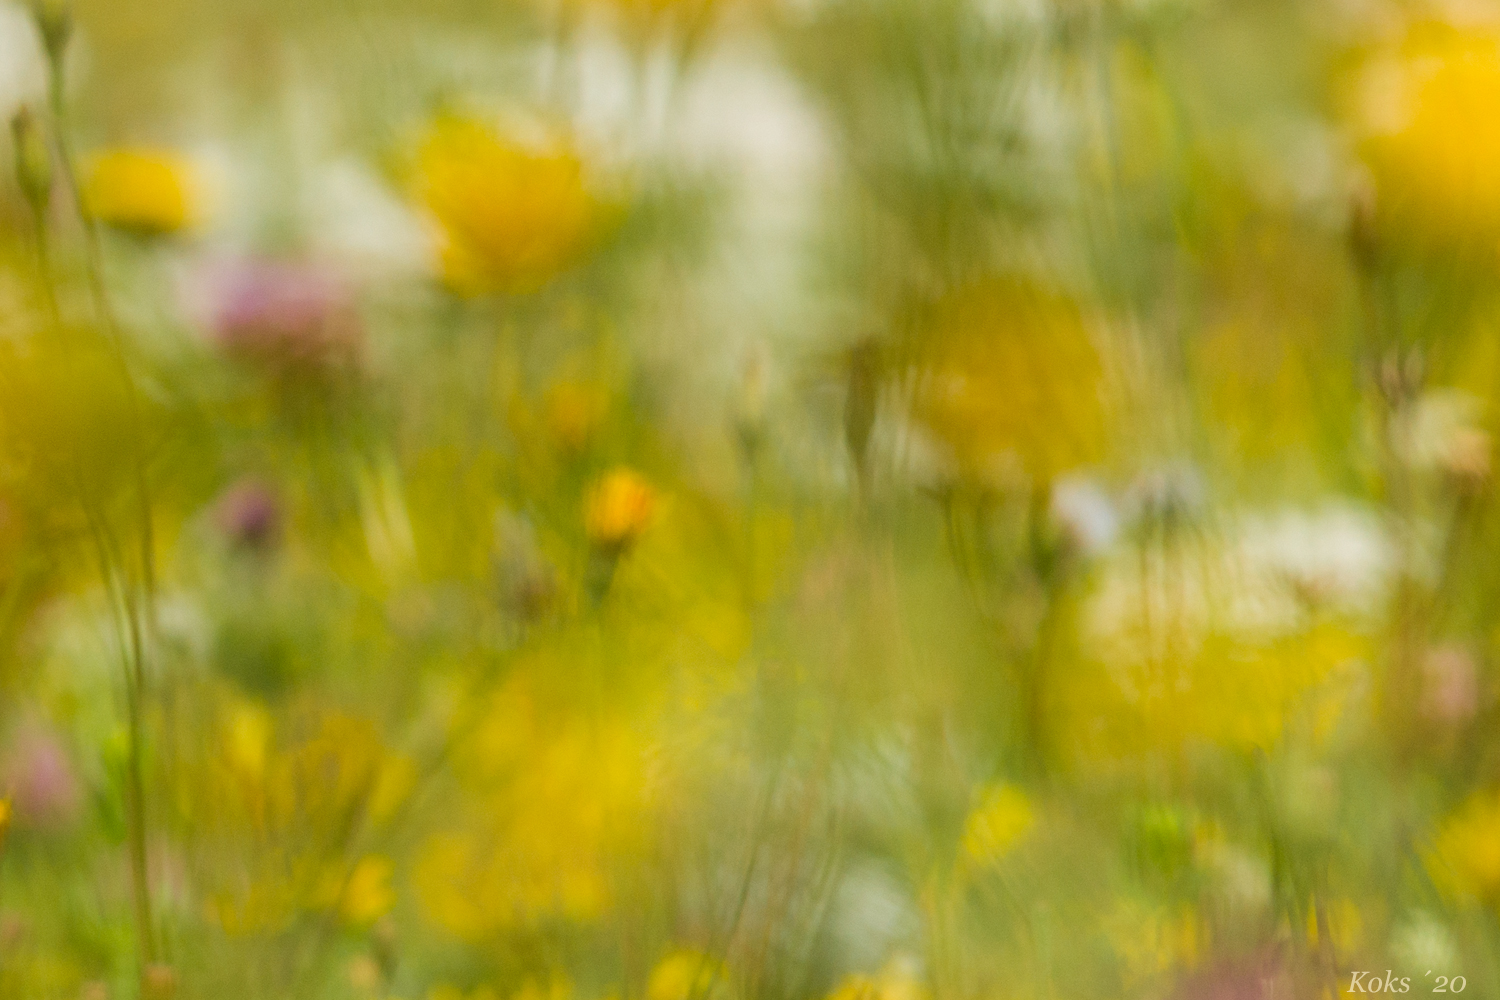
[1430, 138]
[368, 895]
[895, 981]
[1001, 818]
[565, 805]
[1464, 859]
[1343, 922]
[247, 741]
[618, 509]
[856, 987]
[1012, 373]
[508, 217]
[143, 191]
[448, 868]
[687, 975]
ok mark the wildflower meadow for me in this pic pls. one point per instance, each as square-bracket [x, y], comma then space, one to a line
[749, 499]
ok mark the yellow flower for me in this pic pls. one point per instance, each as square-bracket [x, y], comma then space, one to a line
[1011, 373]
[447, 872]
[1235, 694]
[1430, 139]
[687, 975]
[508, 217]
[144, 191]
[856, 987]
[573, 412]
[297, 798]
[247, 741]
[340, 768]
[563, 802]
[368, 895]
[1465, 857]
[618, 508]
[66, 417]
[1002, 816]
[1194, 642]
[5, 813]
[1345, 925]
[894, 982]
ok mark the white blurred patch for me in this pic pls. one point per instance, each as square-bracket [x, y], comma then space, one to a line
[738, 111]
[1173, 491]
[1441, 432]
[1241, 880]
[1338, 556]
[1257, 576]
[1423, 942]
[927, 462]
[357, 222]
[872, 916]
[1385, 96]
[184, 627]
[1299, 162]
[23, 69]
[1086, 513]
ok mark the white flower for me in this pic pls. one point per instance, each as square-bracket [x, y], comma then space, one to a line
[1255, 577]
[1441, 432]
[354, 219]
[1085, 513]
[1339, 556]
[1423, 942]
[23, 69]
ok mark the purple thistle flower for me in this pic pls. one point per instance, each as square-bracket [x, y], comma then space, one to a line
[249, 514]
[285, 315]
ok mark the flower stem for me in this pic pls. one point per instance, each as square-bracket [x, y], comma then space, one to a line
[132, 593]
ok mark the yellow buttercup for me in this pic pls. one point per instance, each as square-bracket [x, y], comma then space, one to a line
[619, 508]
[143, 191]
[508, 216]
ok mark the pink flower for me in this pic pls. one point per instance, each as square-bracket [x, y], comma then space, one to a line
[40, 778]
[1450, 685]
[1262, 976]
[249, 513]
[284, 315]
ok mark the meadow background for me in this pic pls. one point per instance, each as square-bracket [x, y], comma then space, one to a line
[748, 499]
